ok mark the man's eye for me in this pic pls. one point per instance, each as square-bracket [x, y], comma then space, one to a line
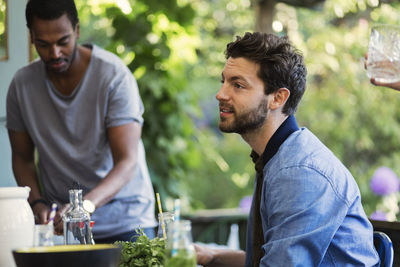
[238, 85]
[222, 81]
[41, 44]
[63, 42]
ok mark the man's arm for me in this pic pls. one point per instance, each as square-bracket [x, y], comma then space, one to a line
[219, 257]
[23, 165]
[124, 142]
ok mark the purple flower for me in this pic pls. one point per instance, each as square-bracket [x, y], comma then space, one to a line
[245, 203]
[378, 216]
[384, 181]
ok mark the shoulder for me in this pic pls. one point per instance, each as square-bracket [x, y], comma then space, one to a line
[106, 59]
[110, 69]
[28, 77]
[304, 158]
[32, 70]
[304, 148]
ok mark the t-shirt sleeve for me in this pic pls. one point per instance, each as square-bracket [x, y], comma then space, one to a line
[13, 110]
[124, 102]
[303, 216]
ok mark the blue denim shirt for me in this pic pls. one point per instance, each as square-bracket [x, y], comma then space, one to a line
[311, 209]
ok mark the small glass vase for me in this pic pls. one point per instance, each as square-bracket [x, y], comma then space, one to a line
[179, 246]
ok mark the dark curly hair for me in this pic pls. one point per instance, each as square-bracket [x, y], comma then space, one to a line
[281, 64]
[51, 9]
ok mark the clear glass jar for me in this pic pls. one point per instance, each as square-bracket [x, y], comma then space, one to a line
[179, 247]
[167, 218]
[76, 221]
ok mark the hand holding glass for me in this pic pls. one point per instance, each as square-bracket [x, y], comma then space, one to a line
[384, 54]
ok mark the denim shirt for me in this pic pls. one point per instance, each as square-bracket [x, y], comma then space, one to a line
[311, 209]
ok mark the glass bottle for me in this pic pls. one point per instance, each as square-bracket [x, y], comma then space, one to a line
[179, 247]
[76, 221]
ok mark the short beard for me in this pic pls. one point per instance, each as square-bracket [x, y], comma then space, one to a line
[248, 121]
[70, 61]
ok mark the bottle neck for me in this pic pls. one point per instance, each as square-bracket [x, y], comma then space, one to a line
[75, 198]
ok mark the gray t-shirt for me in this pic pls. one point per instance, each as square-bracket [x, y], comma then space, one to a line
[69, 133]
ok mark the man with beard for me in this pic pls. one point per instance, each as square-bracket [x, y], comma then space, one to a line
[306, 208]
[79, 107]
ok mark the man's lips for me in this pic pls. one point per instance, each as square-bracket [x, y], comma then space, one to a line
[57, 64]
[225, 111]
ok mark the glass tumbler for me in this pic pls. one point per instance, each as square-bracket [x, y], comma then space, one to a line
[384, 53]
[167, 218]
[43, 235]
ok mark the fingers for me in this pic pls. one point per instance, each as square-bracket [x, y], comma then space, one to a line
[40, 212]
[204, 255]
[395, 86]
[58, 222]
[59, 228]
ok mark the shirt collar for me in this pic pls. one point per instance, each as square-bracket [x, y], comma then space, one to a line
[285, 129]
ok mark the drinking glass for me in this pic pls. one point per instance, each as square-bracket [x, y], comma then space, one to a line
[384, 53]
[43, 235]
[168, 217]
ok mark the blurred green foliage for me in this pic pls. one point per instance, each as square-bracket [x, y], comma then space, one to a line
[175, 50]
[3, 29]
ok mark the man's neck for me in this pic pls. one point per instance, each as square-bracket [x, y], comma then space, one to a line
[258, 139]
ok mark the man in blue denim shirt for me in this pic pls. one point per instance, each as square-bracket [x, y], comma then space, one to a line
[306, 208]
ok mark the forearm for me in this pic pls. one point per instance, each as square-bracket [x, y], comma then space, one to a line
[115, 180]
[209, 257]
[225, 258]
[124, 141]
[25, 175]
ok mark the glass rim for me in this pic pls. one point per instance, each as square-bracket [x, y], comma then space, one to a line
[385, 25]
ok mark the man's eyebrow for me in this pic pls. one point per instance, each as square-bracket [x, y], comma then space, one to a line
[239, 77]
[234, 78]
[61, 39]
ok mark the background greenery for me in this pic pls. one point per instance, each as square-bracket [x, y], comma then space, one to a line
[3, 32]
[175, 50]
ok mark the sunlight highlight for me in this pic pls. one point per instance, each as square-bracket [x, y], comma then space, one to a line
[124, 6]
[277, 26]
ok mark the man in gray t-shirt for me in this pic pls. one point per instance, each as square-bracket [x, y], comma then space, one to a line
[80, 108]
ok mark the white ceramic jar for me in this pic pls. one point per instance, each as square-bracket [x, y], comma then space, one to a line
[16, 222]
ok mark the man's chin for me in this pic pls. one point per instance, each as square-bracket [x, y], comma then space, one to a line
[56, 70]
[225, 128]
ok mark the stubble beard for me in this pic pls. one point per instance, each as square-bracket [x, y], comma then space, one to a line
[69, 60]
[246, 122]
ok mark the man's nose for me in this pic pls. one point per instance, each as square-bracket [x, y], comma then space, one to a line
[222, 93]
[55, 51]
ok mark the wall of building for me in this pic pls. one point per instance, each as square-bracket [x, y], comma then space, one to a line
[18, 56]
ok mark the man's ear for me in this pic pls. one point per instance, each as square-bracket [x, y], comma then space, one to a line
[279, 98]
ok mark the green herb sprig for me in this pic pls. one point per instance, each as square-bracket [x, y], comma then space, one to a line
[144, 252]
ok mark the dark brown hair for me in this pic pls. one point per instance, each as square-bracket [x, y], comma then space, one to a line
[281, 64]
